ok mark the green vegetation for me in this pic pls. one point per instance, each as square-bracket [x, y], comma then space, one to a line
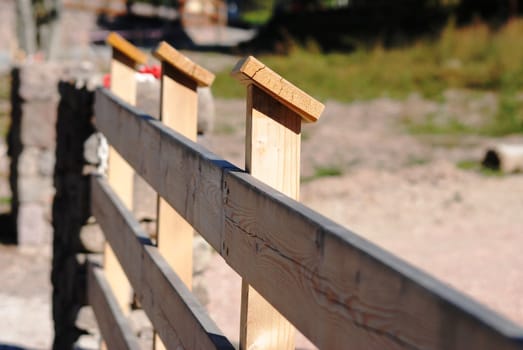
[4, 97]
[475, 58]
[257, 17]
[429, 126]
[472, 165]
[323, 171]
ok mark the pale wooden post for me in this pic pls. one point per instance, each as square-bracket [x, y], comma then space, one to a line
[119, 174]
[275, 111]
[179, 107]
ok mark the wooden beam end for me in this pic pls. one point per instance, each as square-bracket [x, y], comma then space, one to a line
[249, 70]
[116, 41]
[168, 54]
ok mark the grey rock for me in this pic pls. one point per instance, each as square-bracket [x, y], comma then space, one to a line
[32, 227]
[38, 81]
[96, 151]
[92, 238]
[38, 124]
[86, 320]
[206, 110]
[202, 254]
[139, 322]
[144, 199]
[35, 189]
[28, 162]
[87, 342]
[46, 163]
[148, 96]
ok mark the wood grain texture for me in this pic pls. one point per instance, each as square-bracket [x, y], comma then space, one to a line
[179, 107]
[187, 175]
[179, 319]
[338, 289]
[117, 42]
[114, 327]
[178, 111]
[119, 173]
[166, 53]
[342, 291]
[251, 71]
[272, 152]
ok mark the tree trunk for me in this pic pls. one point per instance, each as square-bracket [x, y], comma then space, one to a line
[25, 27]
[49, 29]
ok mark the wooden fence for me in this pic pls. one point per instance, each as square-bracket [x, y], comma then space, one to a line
[339, 290]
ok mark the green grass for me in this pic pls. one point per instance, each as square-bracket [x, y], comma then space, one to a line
[475, 58]
[4, 87]
[4, 98]
[257, 17]
[472, 165]
[430, 127]
[323, 171]
[5, 200]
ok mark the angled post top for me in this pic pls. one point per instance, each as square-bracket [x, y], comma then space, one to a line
[168, 54]
[251, 71]
[117, 42]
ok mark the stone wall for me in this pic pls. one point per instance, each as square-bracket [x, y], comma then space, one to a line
[31, 147]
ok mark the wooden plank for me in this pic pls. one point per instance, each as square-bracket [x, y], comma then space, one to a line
[117, 42]
[251, 71]
[174, 312]
[113, 325]
[179, 107]
[120, 175]
[272, 155]
[334, 286]
[166, 53]
[184, 173]
[179, 111]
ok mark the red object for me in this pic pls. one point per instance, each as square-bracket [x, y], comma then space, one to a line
[155, 71]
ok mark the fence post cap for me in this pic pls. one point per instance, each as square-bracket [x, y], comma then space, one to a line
[166, 53]
[132, 52]
[251, 71]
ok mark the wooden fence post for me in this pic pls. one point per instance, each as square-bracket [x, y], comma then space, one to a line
[275, 110]
[178, 110]
[119, 174]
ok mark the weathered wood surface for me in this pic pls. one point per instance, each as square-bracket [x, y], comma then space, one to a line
[115, 328]
[337, 288]
[251, 71]
[166, 53]
[174, 312]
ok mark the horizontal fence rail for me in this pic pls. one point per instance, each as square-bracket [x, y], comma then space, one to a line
[116, 331]
[338, 289]
[163, 296]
